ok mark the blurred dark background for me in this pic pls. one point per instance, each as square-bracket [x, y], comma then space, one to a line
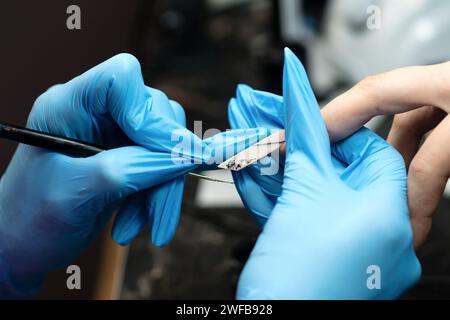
[197, 51]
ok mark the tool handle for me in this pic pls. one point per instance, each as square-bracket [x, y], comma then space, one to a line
[71, 147]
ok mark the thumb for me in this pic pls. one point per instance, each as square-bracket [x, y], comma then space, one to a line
[306, 136]
[117, 173]
[370, 160]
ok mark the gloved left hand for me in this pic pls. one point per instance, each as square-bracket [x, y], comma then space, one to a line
[52, 206]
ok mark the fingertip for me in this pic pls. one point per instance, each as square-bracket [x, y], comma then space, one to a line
[242, 90]
[243, 96]
[122, 70]
[293, 65]
[125, 63]
[296, 79]
[121, 238]
[130, 220]
[164, 209]
[288, 52]
[305, 127]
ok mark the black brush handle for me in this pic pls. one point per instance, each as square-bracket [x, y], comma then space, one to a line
[71, 147]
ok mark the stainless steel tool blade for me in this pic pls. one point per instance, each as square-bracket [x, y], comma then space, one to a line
[254, 153]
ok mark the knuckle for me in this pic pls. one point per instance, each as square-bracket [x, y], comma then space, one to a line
[126, 63]
[48, 101]
[158, 95]
[369, 83]
[177, 108]
[421, 168]
[369, 88]
[442, 72]
[49, 97]
[178, 111]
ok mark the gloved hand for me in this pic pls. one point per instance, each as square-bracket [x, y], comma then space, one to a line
[327, 230]
[52, 206]
[251, 109]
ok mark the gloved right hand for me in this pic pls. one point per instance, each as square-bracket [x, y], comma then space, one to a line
[251, 109]
[328, 231]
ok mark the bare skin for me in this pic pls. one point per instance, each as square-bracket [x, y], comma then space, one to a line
[420, 98]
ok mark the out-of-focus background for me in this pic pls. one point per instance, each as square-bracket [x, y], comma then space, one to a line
[197, 51]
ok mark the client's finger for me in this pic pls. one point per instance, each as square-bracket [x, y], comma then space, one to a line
[409, 128]
[428, 175]
[389, 93]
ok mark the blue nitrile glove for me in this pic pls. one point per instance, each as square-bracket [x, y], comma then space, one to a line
[251, 109]
[52, 206]
[327, 233]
